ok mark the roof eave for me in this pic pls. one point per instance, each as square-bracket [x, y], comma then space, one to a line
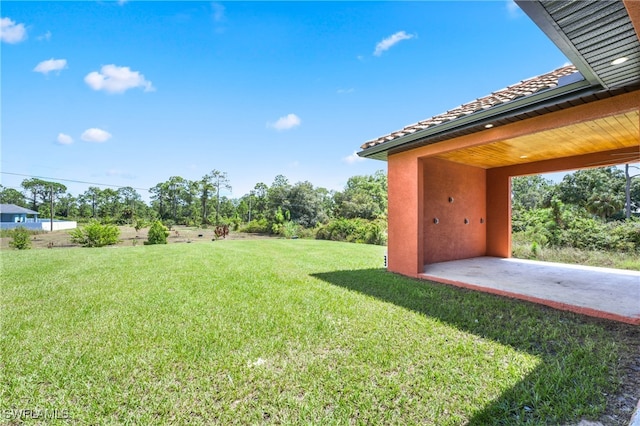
[480, 118]
[545, 22]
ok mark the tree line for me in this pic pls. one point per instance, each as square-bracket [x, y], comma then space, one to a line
[281, 207]
[591, 208]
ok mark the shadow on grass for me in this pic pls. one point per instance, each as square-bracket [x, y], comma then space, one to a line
[580, 355]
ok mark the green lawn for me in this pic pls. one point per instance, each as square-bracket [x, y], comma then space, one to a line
[284, 331]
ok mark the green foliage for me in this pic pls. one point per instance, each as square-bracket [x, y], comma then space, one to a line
[140, 223]
[600, 190]
[289, 229]
[364, 197]
[11, 196]
[95, 235]
[354, 230]
[158, 234]
[570, 226]
[260, 226]
[20, 238]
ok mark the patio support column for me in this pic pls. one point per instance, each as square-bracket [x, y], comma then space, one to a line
[498, 213]
[405, 246]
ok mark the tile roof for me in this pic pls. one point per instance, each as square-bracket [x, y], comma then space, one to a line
[508, 94]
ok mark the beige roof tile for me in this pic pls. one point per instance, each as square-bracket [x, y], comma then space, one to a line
[524, 88]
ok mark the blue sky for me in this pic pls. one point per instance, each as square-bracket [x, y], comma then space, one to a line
[131, 93]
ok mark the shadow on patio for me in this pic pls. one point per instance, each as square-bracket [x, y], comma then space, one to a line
[582, 359]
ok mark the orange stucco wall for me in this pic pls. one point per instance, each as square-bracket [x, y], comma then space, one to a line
[420, 185]
[454, 197]
[405, 202]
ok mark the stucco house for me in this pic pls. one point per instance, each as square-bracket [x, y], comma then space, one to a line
[10, 213]
[12, 216]
[449, 176]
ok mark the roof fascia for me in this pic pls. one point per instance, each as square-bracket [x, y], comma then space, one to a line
[578, 88]
[539, 15]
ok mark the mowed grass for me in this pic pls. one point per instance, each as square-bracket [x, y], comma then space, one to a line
[284, 332]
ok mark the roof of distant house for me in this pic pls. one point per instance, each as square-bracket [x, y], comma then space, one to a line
[13, 209]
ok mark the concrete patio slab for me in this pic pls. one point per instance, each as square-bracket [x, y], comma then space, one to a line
[600, 292]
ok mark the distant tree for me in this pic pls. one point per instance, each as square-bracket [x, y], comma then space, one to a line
[11, 196]
[363, 197]
[177, 188]
[129, 199]
[160, 199]
[191, 198]
[93, 196]
[33, 187]
[306, 205]
[205, 191]
[220, 180]
[278, 196]
[599, 190]
[42, 189]
[67, 206]
[259, 201]
[531, 192]
[109, 204]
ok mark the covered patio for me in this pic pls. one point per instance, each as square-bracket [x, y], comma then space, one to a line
[449, 176]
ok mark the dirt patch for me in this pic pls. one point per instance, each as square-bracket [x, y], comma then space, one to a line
[620, 406]
[129, 237]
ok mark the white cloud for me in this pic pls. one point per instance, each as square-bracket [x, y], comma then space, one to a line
[285, 123]
[10, 32]
[353, 158]
[46, 36]
[390, 41]
[114, 79]
[95, 135]
[64, 139]
[346, 91]
[49, 65]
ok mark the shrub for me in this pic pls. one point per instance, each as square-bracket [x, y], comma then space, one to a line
[140, 223]
[257, 226]
[158, 234]
[355, 231]
[20, 238]
[289, 229]
[95, 235]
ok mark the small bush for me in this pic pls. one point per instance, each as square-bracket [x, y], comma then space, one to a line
[158, 234]
[140, 223]
[95, 235]
[257, 226]
[21, 238]
[355, 231]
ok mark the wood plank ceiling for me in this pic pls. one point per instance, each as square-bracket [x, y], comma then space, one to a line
[601, 135]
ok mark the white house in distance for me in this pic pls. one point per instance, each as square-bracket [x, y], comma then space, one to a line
[12, 216]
